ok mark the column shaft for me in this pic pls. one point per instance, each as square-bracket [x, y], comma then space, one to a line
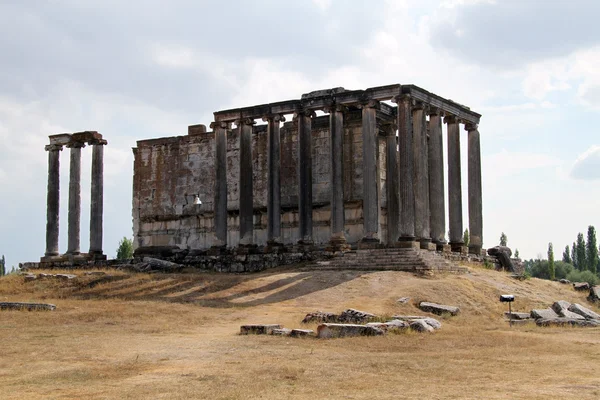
[405, 153]
[220, 201]
[305, 175]
[75, 199]
[53, 200]
[245, 185]
[370, 181]
[475, 200]
[420, 175]
[274, 182]
[392, 185]
[336, 129]
[454, 185]
[437, 204]
[97, 197]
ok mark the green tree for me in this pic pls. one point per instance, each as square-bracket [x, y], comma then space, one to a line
[551, 271]
[2, 266]
[574, 255]
[503, 239]
[567, 255]
[580, 253]
[516, 253]
[592, 250]
[125, 250]
[466, 237]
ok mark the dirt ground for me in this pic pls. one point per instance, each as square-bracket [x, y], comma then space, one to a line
[139, 336]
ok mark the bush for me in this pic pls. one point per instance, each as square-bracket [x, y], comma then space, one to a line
[125, 250]
[562, 269]
[583, 276]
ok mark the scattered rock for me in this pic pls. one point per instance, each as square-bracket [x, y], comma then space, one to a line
[434, 323]
[564, 281]
[301, 332]
[561, 307]
[258, 329]
[584, 312]
[94, 273]
[320, 316]
[403, 300]
[390, 325]
[346, 330]
[544, 314]
[355, 316]
[438, 309]
[581, 286]
[66, 277]
[281, 332]
[519, 316]
[29, 277]
[594, 294]
[503, 253]
[6, 305]
[566, 321]
[162, 265]
[409, 317]
[420, 325]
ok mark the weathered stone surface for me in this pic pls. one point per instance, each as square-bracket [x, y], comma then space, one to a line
[301, 332]
[389, 325]
[29, 277]
[581, 286]
[320, 316]
[564, 281]
[566, 321]
[163, 265]
[281, 332]
[66, 277]
[544, 314]
[355, 316]
[409, 317]
[434, 323]
[517, 315]
[421, 326]
[403, 300]
[94, 273]
[594, 294]
[503, 253]
[560, 305]
[258, 329]
[584, 312]
[438, 309]
[346, 330]
[7, 305]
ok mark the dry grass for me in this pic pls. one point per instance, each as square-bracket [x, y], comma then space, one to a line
[139, 336]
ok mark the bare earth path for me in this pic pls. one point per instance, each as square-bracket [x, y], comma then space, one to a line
[137, 336]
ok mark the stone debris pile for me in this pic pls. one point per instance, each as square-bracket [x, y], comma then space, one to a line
[561, 313]
[65, 277]
[8, 305]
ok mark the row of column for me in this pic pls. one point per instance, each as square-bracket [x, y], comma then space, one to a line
[415, 177]
[74, 213]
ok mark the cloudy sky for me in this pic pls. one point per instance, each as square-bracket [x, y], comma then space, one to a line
[143, 69]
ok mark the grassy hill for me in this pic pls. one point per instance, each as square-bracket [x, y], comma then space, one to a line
[140, 336]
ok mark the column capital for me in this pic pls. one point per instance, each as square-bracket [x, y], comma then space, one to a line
[451, 119]
[403, 98]
[435, 111]
[75, 145]
[369, 103]
[220, 124]
[419, 105]
[390, 127]
[100, 142]
[469, 126]
[53, 147]
[274, 118]
[305, 112]
[244, 121]
[335, 107]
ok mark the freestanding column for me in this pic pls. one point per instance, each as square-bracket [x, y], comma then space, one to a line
[393, 195]
[420, 175]
[405, 153]
[305, 175]
[370, 181]
[52, 205]
[75, 198]
[454, 184]
[246, 200]
[336, 130]
[220, 205]
[475, 202]
[97, 197]
[436, 180]
[273, 178]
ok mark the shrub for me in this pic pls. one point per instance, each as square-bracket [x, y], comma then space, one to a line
[583, 276]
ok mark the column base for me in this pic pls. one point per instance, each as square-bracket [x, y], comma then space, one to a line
[425, 244]
[93, 255]
[443, 247]
[369, 242]
[459, 248]
[407, 244]
[338, 243]
[475, 250]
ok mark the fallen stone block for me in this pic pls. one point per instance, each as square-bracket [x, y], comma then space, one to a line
[29, 277]
[403, 300]
[566, 321]
[355, 316]
[320, 316]
[66, 277]
[162, 265]
[409, 317]
[8, 305]
[281, 332]
[421, 326]
[438, 309]
[564, 281]
[561, 307]
[94, 273]
[517, 316]
[346, 330]
[389, 325]
[584, 312]
[594, 294]
[434, 323]
[546, 313]
[258, 329]
[581, 286]
[301, 332]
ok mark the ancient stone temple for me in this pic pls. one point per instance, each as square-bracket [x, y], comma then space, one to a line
[75, 142]
[334, 169]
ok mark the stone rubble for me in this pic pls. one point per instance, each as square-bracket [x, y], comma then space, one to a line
[438, 309]
[564, 313]
[347, 330]
[561, 307]
[258, 329]
[581, 286]
[584, 312]
[320, 316]
[594, 294]
[8, 305]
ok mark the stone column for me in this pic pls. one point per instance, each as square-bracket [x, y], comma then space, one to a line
[273, 179]
[305, 175]
[475, 201]
[370, 181]
[97, 197]
[437, 204]
[245, 185]
[420, 175]
[53, 199]
[220, 201]
[392, 185]
[336, 130]
[405, 153]
[75, 198]
[454, 184]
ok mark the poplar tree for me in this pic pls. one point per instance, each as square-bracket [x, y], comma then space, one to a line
[503, 239]
[592, 250]
[551, 270]
[567, 255]
[466, 237]
[574, 256]
[580, 253]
